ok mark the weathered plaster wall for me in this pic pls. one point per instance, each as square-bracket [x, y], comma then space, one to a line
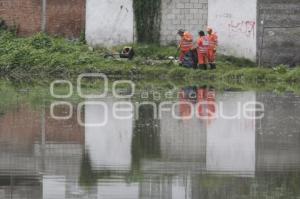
[187, 14]
[109, 22]
[235, 23]
[279, 35]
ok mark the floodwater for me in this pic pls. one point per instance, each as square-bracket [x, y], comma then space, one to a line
[149, 153]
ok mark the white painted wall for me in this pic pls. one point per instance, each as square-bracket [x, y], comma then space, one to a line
[235, 23]
[109, 22]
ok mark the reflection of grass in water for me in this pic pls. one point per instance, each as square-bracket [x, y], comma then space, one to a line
[264, 185]
[217, 186]
[87, 177]
[14, 95]
[39, 95]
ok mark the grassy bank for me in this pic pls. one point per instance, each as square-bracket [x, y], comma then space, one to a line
[42, 58]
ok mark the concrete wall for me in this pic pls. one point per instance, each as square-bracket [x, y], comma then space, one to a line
[65, 18]
[279, 35]
[235, 23]
[112, 22]
[187, 14]
[109, 22]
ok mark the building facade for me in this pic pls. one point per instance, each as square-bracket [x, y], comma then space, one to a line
[264, 31]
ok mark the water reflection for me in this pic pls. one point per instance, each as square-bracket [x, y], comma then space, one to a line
[155, 157]
[109, 146]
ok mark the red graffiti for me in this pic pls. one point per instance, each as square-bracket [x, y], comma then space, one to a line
[244, 27]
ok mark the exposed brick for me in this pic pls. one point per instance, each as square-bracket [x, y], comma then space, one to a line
[66, 18]
[24, 14]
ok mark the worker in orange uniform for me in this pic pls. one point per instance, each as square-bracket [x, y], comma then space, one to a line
[212, 49]
[202, 49]
[186, 43]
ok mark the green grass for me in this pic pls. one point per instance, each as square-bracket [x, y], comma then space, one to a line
[41, 58]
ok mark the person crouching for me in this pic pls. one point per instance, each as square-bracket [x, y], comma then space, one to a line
[185, 44]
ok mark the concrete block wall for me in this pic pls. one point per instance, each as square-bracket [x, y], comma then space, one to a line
[187, 14]
[278, 32]
[65, 18]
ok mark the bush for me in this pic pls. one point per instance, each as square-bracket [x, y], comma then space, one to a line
[293, 75]
[40, 41]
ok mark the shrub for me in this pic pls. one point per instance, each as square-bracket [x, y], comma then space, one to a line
[40, 41]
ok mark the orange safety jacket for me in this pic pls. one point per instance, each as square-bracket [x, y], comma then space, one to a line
[203, 44]
[186, 42]
[213, 41]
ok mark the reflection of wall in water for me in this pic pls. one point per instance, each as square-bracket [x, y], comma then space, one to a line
[146, 135]
[231, 142]
[109, 145]
[169, 187]
[278, 136]
[20, 187]
[182, 140]
[117, 190]
[24, 151]
[24, 156]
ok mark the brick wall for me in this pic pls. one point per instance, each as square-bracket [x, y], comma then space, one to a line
[187, 14]
[279, 36]
[25, 14]
[66, 18]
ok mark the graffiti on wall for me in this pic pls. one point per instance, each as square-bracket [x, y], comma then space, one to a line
[246, 28]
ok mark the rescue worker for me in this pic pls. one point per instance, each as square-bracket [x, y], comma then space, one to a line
[185, 44]
[212, 49]
[202, 49]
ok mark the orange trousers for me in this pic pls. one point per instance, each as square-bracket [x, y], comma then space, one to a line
[211, 54]
[202, 58]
